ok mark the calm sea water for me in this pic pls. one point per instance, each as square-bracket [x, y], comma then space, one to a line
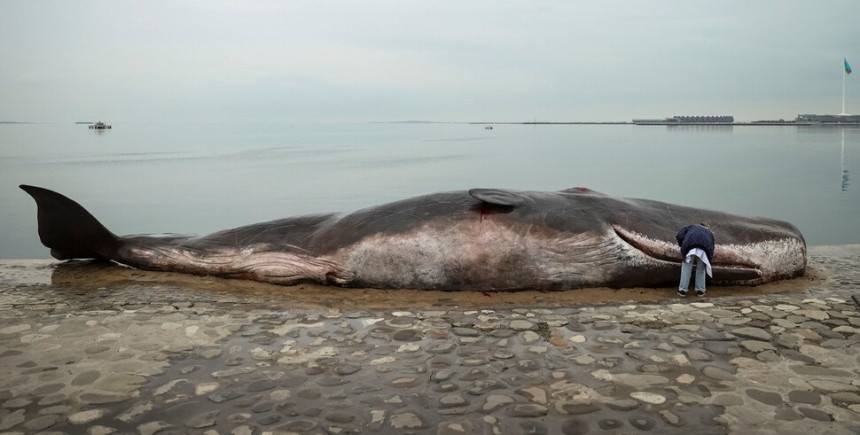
[200, 178]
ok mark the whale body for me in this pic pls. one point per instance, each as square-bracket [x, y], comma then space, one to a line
[480, 239]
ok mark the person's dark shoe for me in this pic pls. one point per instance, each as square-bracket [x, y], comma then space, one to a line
[700, 293]
[682, 293]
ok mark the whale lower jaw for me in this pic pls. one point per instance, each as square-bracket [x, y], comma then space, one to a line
[739, 272]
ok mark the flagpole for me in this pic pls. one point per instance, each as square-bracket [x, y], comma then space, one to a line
[843, 93]
[847, 71]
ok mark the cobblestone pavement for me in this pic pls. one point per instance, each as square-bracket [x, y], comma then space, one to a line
[143, 357]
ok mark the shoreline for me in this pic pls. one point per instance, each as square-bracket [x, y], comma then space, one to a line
[75, 276]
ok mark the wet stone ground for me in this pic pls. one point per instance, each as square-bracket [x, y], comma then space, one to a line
[140, 358]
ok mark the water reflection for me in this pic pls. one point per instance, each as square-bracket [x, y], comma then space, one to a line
[842, 161]
[695, 128]
[206, 177]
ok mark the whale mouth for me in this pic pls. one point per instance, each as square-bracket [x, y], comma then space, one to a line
[662, 251]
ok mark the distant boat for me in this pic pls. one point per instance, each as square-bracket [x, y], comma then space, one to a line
[489, 127]
[100, 126]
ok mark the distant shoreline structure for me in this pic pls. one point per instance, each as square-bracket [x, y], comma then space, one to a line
[811, 120]
[803, 119]
[688, 120]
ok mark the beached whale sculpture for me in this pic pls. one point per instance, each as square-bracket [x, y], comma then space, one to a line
[481, 239]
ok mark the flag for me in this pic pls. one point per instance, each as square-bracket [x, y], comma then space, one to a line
[847, 67]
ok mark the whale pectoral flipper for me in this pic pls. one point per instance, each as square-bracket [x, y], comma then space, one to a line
[499, 197]
[69, 229]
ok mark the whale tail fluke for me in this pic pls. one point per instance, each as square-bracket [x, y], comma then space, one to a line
[69, 229]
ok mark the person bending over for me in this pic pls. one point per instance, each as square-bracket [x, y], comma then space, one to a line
[697, 245]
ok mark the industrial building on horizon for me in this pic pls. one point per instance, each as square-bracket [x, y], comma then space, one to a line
[803, 119]
[827, 119]
[687, 120]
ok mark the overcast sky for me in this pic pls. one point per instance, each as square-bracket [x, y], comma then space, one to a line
[300, 61]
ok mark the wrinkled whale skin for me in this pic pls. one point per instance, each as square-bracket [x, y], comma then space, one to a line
[481, 239]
